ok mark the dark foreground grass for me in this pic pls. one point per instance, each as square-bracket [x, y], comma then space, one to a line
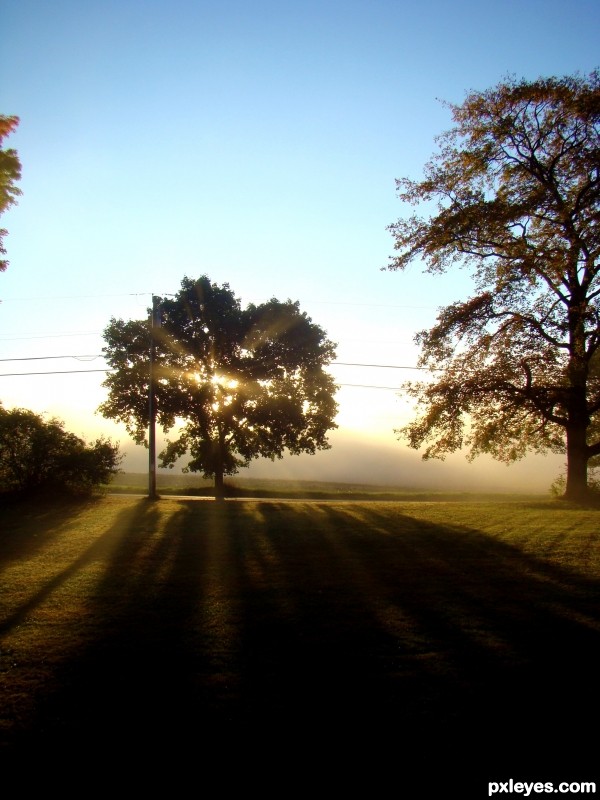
[367, 637]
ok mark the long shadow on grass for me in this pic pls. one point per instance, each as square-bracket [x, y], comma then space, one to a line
[49, 526]
[28, 525]
[329, 621]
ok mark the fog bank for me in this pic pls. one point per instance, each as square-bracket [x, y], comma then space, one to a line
[356, 459]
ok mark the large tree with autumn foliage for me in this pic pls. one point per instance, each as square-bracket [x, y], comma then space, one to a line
[513, 193]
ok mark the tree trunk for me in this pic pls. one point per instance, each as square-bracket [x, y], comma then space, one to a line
[577, 410]
[219, 470]
[577, 462]
[219, 485]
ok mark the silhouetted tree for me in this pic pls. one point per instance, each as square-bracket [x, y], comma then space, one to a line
[517, 187]
[38, 454]
[245, 382]
[10, 171]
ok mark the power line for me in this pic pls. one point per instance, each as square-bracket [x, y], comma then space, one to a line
[46, 358]
[54, 372]
[74, 297]
[81, 371]
[167, 294]
[49, 336]
[380, 366]
[368, 386]
[333, 363]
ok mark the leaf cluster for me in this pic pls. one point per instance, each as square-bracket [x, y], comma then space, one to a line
[10, 172]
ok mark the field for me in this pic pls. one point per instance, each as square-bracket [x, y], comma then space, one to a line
[469, 627]
[171, 484]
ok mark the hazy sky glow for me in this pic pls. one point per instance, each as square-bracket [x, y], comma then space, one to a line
[255, 142]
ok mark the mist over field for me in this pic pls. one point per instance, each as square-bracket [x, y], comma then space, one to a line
[356, 459]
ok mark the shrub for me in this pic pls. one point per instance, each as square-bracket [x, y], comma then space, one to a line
[39, 455]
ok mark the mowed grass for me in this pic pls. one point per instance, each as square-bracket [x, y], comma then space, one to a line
[472, 625]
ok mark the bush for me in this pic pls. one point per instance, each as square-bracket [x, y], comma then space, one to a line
[39, 455]
[559, 485]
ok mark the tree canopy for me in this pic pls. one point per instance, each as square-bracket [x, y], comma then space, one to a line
[236, 383]
[38, 454]
[10, 172]
[515, 193]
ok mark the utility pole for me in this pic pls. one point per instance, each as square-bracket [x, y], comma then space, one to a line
[154, 322]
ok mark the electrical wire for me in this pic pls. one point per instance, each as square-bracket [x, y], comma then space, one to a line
[379, 366]
[81, 371]
[53, 372]
[332, 364]
[46, 358]
[48, 336]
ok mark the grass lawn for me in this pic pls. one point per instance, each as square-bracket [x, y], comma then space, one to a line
[469, 627]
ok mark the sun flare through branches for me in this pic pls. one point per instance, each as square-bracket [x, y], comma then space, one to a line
[243, 383]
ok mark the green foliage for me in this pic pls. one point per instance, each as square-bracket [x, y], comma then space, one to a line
[516, 188]
[40, 455]
[238, 383]
[10, 171]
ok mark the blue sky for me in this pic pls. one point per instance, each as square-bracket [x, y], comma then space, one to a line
[255, 142]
